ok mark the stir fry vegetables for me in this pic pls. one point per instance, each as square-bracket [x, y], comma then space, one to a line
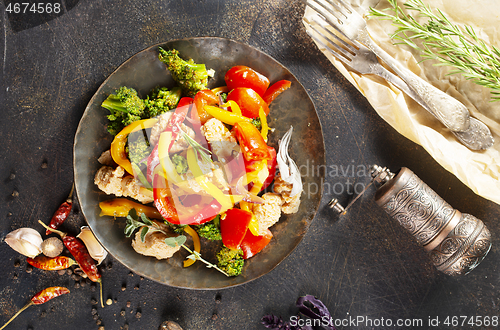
[203, 164]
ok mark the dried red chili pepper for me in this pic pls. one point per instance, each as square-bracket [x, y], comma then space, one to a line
[62, 212]
[40, 298]
[46, 263]
[82, 256]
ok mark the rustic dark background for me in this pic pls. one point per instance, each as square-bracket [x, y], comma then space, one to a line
[359, 265]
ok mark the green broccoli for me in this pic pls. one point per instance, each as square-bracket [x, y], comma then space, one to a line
[162, 100]
[181, 164]
[137, 149]
[210, 230]
[257, 123]
[230, 261]
[191, 77]
[125, 107]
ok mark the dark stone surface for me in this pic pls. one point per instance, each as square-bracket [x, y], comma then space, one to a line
[359, 265]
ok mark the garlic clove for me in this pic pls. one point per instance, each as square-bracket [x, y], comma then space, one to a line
[289, 171]
[26, 241]
[96, 251]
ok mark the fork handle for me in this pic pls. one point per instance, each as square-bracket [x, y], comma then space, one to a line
[447, 109]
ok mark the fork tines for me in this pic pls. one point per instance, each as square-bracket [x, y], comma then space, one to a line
[339, 48]
[330, 8]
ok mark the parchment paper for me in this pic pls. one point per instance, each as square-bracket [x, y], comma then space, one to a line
[479, 170]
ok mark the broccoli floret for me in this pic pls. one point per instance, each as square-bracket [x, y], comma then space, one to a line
[181, 164]
[178, 229]
[210, 230]
[223, 97]
[162, 100]
[125, 107]
[138, 149]
[191, 77]
[230, 261]
[257, 123]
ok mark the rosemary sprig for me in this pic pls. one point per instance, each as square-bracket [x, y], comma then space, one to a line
[449, 44]
[134, 222]
[198, 148]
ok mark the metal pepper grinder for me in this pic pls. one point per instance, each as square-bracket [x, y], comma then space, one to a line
[456, 242]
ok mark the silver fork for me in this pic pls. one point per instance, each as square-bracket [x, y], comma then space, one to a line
[476, 137]
[361, 59]
[352, 25]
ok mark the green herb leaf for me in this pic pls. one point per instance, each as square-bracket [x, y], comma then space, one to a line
[146, 220]
[170, 241]
[181, 239]
[144, 231]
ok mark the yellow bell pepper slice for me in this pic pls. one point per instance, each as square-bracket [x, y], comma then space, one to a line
[205, 184]
[235, 108]
[218, 90]
[165, 161]
[196, 242]
[263, 122]
[224, 116]
[119, 207]
[120, 142]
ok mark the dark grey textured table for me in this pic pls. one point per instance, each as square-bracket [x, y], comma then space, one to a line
[361, 265]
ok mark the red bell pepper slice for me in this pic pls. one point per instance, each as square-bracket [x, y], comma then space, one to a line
[176, 120]
[243, 76]
[249, 101]
[251, 245]
[202, 98]
[271, 167]
[192, 215]
[233, 227]
[276, 89]
[251, 142]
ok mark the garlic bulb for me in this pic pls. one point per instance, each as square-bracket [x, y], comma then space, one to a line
[96, 251]
[26, 241]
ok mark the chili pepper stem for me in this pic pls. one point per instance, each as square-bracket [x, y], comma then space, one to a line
[60, 233]
[70, 196]
[100, 292]
[18, 312]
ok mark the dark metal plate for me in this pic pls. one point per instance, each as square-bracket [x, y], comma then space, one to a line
[144, 71]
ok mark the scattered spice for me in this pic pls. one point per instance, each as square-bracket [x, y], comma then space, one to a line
[77, 248]
[40, 298]
[61, 213]
[170, 325]
[109, 301]
[15, 193]
[138, 315]
[46, 263]
[52, 247]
